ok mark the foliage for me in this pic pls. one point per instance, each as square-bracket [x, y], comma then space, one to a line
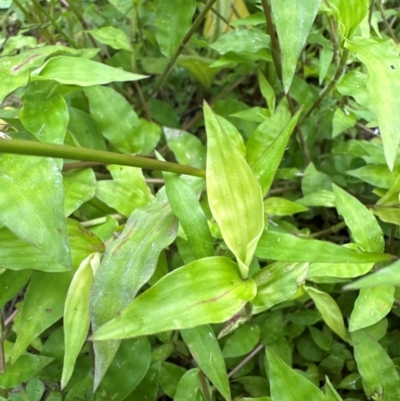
[199, 200]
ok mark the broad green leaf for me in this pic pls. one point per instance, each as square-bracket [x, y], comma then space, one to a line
[173, 20]
[43, 305]
[242, 341]
[267, 164]
[127, 265]
[44, 113]
[376, 174]
[344, 270]
[267, 132]
[24, 369]
[383, 84]
[32, 204]
[35, 389]
[349, 14]
[342, 121]
[111, 36]
[189, 387]
[287, 247]
[278, 282]
[82, 72]
[242, 41]
[267, 91]
[10, 83]
[127, 369]
[282, 207]
[289, 385]
[329, 310]
[293, 20]
[186, 207]
[147, 389]
[232, 135]
[187, 148]
[170, 376]
[79, 187]
[233, 192]
[388, 276]
[379, 375]
[85, 130]
[76, 314]
[319, 198]
[117, 120]
[205, 349]
[372, 305]
[364, 228]
[11, 283]
[127, 190]
[213, 292]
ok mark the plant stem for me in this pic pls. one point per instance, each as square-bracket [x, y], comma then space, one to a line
[23, 147]
[385, 21]
[185, 40]
[253, 353]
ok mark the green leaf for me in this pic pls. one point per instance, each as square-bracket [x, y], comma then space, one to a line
[11, 282]
[364, 228]
[126, 192]
[349, 14]
[378, 372]
[32, 204]
[43, 305]
[388, 276]
[282, 207]
[189, 387]
[82, 72]
[293, 20]
[186, 207]
[24, 369]
[383, 84]
[170, 375]
[10, 83]
[44, 113]
[147, 389]
[127, 369]
[213, 292]
[111, 36]
[242, 341]
[187, 148]
[330, 392]
[268, 162]
[289, 385]
[173, 20]
[235, 199]
[127, 265]
[242, 41]
[79, 187]
[76, 314]
[35, 389]
[319, 198]
[117, 120]
[372, 305]
[199, 67]
[267, 91]
[329, 310]
[278, 282]
[287, 247]
[344, 270]
[205, 349]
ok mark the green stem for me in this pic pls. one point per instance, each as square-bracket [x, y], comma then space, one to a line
[22, 147]
[184, 42]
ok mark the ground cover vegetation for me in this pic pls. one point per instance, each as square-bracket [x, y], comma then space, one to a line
[199, 200]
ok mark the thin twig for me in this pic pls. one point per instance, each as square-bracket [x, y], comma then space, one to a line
[252, 354]
[219, 15]
[385, 21]
[333, 229]
[184, 42]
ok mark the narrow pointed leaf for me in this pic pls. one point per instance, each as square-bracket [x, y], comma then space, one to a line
[205, 291]
[83, 72]
[287, 247]
[293, 20]
[185, 205]
[204, 347]
[329, 310]
[267, 164]
[76, 314]
[364, 228]
[127, 265]
[32, 204]
[233, 193]
[289, 385]
[383, 84]
[378, 372]
[189, 387]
